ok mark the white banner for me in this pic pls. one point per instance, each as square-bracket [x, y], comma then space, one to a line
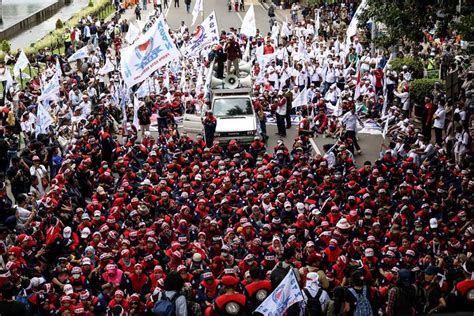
[132, 34]
[20, 64]
[80, 54]
[151, 51]
[301, 99]
[136, 105]
[198, 7]
[249, 27]
[206, 34]
[286, 294]
[108, 67]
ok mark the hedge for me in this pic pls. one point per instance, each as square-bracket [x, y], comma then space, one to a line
[420, 88]
[414, 65]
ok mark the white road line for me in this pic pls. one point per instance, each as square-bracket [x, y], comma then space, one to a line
[167, 11]
[240, 17]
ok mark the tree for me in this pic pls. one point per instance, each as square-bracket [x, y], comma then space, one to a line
[411, 19]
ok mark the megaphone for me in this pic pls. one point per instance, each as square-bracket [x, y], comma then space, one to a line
[216, 82]
[231, 82]
[246, 82]
[245, 68]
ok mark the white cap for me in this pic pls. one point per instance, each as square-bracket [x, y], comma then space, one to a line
[433, 223]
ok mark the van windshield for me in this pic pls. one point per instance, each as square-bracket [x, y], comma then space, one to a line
[232, 107]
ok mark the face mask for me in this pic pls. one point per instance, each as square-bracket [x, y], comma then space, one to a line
[76, 276]
[332, 247]
[288, 209]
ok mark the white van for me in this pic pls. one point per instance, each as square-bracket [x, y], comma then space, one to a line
[234, 113]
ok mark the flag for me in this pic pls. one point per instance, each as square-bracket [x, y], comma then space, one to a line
[59, 72]
[286, 294]
[338, 109]
[50, 90]
[132, 34]
[146, 88]
[199, 81]
[357, 87]
[246, 55]
[206, 34]
[108, 67]
[301, 99]
[151, 51]
[352, 28]
[79, 54]
[8, 78]
[20, 64]
[317, 23]
[136, 105]
[275, 32]
[198, 7]
[208, 78]
[385, 128]
[285, 30]
[182, 82]
[249, 27]
[43, 120]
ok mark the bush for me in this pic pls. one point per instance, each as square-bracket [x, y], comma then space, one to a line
[5, 46]
[91, 3]
[414, 65]
[421, 88]
[59, 24]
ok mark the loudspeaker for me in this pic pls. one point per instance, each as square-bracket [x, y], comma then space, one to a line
[231, 82]
[246, 82]
[217, 83]
[245, 68]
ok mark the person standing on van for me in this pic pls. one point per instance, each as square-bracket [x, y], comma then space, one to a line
[210, 124]
[280, 109]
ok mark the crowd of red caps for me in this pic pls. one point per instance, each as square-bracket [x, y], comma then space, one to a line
[107, 233]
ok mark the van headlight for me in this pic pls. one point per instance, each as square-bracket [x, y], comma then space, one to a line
[251, 133]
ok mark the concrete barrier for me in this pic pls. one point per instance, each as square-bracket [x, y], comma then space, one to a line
[32, 20]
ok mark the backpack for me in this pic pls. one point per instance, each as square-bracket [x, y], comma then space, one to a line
[363, 307]
[278, 274]
[165, 306]
[313, 305]
[405, 301]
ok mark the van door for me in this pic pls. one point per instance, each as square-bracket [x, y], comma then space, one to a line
[192, 123]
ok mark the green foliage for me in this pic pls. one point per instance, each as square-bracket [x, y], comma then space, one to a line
[421, 88]
[59, 24]
[414, 65]
[5, 46]
[313, 3]
[407, 19]
[91, 3]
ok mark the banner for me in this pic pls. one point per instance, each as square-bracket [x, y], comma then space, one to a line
[79, 54]
[146, 88]
[249, 27]
[43, 120]
[198, 7]
[132, 34]
[108, 67]
[286, 294]
[206, 34]
[151, 51]
[301, 99]
[21, 63]
[50, 90]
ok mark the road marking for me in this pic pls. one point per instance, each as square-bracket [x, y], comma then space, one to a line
[167, 11]
[240, 17]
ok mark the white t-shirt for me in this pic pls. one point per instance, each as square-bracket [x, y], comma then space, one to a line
[440, 118]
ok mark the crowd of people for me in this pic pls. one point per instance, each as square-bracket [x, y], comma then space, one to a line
[99, 217]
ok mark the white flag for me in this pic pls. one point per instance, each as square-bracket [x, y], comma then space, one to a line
[206, 34]
[317, 23]
[166, 80]
[136, 105]
[352, 28]
[108, 67]
[246, 55]
[285, 30]
[79, 54]
[286, 294]
[208, 78]
[198, 7]
[146, 88]
[20, 64]
[132, 34]
[8, 78]
[43, 119]
[301, 99]
[50, 90]
[151, 51]
[385, 127]
[199, 81]
[249, 27]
